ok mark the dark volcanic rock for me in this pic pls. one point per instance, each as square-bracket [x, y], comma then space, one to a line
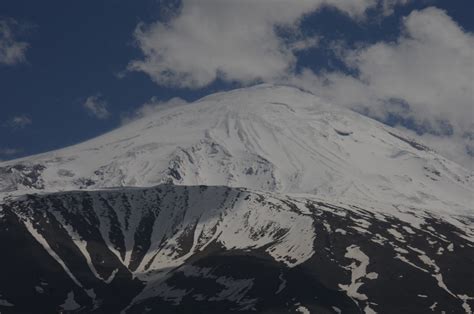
[107, 251]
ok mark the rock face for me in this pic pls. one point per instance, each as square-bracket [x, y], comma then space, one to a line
[257, 200]
[218, 249]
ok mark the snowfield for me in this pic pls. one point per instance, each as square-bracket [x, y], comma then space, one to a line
[270, 138]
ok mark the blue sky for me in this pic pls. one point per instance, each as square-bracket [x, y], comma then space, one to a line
[76, 58]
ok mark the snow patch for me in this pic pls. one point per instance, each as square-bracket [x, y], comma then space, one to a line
[303, 310]
[70, 303]
[358, 270]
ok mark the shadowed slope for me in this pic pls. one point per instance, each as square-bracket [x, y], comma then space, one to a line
[219, 249]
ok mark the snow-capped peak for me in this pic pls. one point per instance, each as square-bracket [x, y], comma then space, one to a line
[272, 138]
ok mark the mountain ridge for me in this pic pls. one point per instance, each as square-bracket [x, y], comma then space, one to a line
[294, 142]
[262, 199]
[155, 247]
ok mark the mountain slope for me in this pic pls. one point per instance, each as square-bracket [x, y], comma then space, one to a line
[263, 199]
[270, 138]
[180, 249]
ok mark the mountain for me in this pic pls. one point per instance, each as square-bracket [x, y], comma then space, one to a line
[263, 199]
[269, 138]
[198, 249]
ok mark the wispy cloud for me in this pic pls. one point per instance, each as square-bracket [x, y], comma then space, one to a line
[97, 107]
[12, 51]
[225, 39]
[8, 152]
[18, 122]
[428, 69]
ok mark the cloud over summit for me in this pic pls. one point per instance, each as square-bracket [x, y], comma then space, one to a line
[233, 40]
[424, 77]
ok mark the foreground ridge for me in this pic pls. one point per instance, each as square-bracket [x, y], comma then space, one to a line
[213, 249]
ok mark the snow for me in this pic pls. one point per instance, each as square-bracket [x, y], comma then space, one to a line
[235, 290]
[4, 302]
[396, 234]
[439, 278]
[51, 252]
[231, 289]
[80, 244]
[465, 305]
[185, 221]
[451, 247]
[169, 293]
[111, 277]
[270, 138]
[303, 310]
[405, 260]
[408, 229]
[337, 310]
[282, 284]
[369, 310]
[70, 303]
[278, 147]
[358, 272]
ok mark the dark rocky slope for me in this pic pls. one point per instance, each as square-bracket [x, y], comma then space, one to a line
[197, 249]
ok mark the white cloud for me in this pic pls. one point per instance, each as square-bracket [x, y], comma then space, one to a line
[304, 44]
[97, 107]
[430, 68]
[234, 40]
[9, 151]
[12, 51]
[388, 6]
[456, 148]
[18, 122]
